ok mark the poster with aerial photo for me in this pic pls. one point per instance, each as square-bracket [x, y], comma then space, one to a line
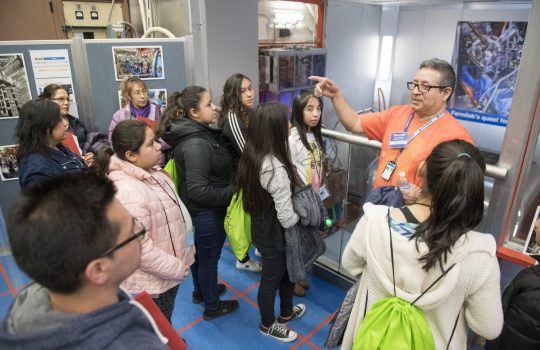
[14, 86]
[8, 163]
[157, 96]
[141, 62]
[486, 60]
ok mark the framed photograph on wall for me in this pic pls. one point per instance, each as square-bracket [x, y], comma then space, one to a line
[141, 62]
[531, 246]
[14, 86]
[8, 163]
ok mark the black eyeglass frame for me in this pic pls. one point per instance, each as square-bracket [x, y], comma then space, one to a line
[411, 85]
[134, 236]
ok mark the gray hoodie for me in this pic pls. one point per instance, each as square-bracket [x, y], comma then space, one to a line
[31, 323]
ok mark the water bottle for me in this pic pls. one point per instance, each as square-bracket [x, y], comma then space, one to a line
[403, 183]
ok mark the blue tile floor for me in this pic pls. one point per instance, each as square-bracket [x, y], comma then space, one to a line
[238, 330]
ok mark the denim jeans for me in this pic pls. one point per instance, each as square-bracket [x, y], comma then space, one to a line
[209, 239]
[274, 276]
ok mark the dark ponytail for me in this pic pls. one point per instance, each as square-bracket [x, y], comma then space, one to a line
[455, 179]
[179, 105]
[128, 135]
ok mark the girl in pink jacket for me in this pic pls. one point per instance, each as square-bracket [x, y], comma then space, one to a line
[150, 196]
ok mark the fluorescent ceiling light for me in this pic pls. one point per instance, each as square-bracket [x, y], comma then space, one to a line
[288, 17]
[386, 57]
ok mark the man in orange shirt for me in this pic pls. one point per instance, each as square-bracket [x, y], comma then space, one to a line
[408, 133]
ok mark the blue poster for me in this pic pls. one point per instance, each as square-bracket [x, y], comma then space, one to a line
[486, 60]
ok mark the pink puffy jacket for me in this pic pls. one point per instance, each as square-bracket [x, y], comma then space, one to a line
[151, 198]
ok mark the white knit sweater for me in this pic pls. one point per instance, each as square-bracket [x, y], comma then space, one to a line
[471, 287]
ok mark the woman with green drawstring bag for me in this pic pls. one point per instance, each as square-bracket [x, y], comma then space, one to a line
[427, 277]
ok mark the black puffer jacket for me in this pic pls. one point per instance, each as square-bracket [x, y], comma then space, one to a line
[203, 164]
[521, 305]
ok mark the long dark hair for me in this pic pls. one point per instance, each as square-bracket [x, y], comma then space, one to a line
[267, 136]
[454, 177]
[297, 117]
[179, 105]
[128, 135]
[36, 121]
[231, 100]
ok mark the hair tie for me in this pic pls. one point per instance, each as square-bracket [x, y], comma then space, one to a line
[464, 154]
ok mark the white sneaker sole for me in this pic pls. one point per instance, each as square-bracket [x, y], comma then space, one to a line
[247, 268]
[283, 340]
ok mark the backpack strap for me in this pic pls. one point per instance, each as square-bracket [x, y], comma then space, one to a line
[434, 282]
[453, 330]
[409, 215]
[391, 252]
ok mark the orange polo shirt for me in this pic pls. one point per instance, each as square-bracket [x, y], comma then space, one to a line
[379, 125]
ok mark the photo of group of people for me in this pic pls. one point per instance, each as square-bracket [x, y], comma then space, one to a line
[8, 163]
[140, 62]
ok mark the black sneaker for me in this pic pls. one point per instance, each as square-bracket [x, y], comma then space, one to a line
[226, 307]
[279, 332]
[196, 298]
[298, 311]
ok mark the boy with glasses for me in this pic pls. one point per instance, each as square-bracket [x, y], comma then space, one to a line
[78, 243]
[408, 133]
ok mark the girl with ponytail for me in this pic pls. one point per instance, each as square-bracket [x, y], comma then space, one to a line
[205, 176]
[421, 242]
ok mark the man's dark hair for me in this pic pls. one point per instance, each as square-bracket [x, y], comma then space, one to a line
[58, 227]
[448, 76]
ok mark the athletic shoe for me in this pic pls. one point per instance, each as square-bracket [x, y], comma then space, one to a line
[298, 311]
[279, 332]
[226, 307]
[250, 265]
[258, 253]
[196, 298]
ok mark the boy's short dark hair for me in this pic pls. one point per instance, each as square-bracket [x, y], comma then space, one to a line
[58, 227]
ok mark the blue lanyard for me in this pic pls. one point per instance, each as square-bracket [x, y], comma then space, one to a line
[422, 128]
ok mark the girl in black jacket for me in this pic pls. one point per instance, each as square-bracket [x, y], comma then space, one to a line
[205, 184]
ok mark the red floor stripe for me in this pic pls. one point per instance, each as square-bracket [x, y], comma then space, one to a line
[313, 331]
[237, 293]
[8, 282]
[189, 325]
[17, 288]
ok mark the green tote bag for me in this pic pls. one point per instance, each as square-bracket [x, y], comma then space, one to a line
[238, 227]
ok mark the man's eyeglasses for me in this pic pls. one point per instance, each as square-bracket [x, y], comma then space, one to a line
[61, 99]
[422, 87]
[139, 234]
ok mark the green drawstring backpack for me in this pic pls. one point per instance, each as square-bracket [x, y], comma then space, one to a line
[238, 227]
[396, 324]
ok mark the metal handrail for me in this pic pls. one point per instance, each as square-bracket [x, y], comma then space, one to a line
[496, 172]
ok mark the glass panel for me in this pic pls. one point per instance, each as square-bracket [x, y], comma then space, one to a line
[524, 235]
